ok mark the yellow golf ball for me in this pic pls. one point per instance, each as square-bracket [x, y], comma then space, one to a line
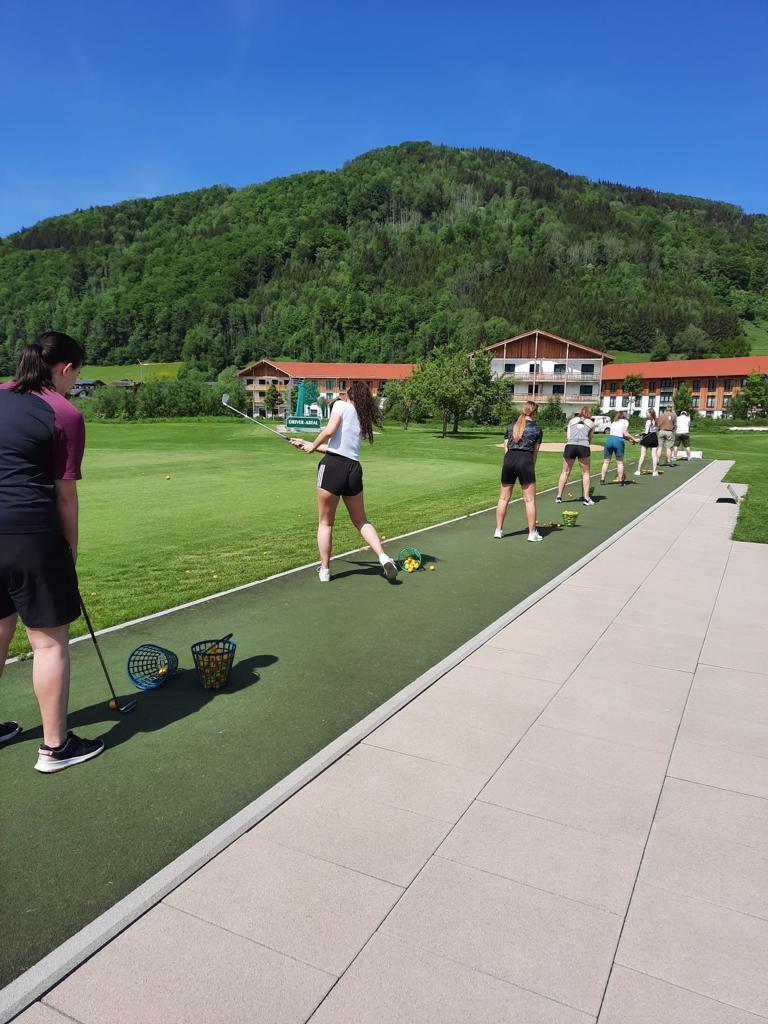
[167, 478]
[431, 568]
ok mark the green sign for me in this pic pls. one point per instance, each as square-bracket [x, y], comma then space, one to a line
[303, 423]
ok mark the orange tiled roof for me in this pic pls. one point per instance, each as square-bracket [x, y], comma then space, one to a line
[735, 366]
[347, 371]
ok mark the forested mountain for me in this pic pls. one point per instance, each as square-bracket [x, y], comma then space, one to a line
[403, 250]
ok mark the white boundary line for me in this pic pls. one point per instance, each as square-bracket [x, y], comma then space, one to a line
[54, 967]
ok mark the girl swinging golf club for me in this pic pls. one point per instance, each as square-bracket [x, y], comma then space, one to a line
[42, 439]
[340, 474]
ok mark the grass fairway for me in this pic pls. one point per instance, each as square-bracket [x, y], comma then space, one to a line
[312, 661]
[131, 371]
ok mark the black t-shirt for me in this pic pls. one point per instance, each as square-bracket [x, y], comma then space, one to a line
[532, 436]
[42, 438]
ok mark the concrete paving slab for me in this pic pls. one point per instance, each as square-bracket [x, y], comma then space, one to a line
[355, 831]
[586, 803]
[691, 808]
[708, 867]
[170, 968]
[735, 645]
[39, 1013]
[742, 773]
[634, 998]
[738, 734]
[392, 982]
[546, 855]
[639, 688]
[318, 912]
[490, 707]
[412, 783]
[614, 763]
[647, 730]
[429, 735]
[730, 693]
[655, 646]
[525, 936]
[552, 668]
[497, 685]
[688, 942]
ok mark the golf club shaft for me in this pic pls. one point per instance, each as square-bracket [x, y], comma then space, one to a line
[252, 419]
[96, 645]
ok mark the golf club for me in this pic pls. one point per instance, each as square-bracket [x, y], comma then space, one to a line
[114, 704]
[225, 402]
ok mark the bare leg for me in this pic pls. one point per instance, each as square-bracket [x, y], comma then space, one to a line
[326, 509]
[655, 459]
[585, 479]
[567, 467]
[529, 499]
[619, 468]
[641, 460]
[7, 626]
[356, 509]
[505, 494]
[604, 470]
[50, 678]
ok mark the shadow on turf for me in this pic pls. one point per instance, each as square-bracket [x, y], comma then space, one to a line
[180, 697]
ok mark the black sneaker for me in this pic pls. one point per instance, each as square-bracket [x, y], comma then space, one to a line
[558, 501]
[73, 751]
[9, 731]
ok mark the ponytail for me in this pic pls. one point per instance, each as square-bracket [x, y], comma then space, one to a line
[366, 407]
[529, 412]
[34, 372]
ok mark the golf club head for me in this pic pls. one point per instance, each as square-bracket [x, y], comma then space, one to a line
[225, 399]
[126, 709]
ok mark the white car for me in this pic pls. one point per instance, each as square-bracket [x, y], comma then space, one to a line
[602, 424]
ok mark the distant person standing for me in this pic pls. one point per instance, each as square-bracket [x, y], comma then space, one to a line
[667, 424]
[521, 446]
[649, 442]
[614, 445]
[683, 435]
[578, 433]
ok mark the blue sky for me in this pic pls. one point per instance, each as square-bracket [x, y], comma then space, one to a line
[104, 101]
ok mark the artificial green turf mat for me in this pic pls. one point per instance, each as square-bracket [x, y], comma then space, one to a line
[312, 661]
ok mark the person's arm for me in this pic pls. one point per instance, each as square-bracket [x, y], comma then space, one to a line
[629, 436]
[68, 509]
[319, 445]
[536, 452]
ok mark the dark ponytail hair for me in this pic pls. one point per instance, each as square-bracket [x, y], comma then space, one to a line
[38, 359]
[366, 407]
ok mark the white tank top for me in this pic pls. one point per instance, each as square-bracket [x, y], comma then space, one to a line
[618, 427]
[346, 440]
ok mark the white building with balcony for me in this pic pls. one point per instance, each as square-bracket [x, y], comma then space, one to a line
[541, 364]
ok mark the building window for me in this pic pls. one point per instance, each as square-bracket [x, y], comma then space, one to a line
[262, 380]
[726, 401]
[249, 381]
[532, 368]
[612, 402]
[509, 367]
[743, 382]
[695, 402]
[651, 387]
[696, 385]
[585, 389]
[329, 385]
[728, 384]
[533, 389]
[667, 382]
[666, 397]
[712, 384]
[612, 387]
[558, 389]
[710, 401]
[652, 401]
[342, 385]
[559, 368]
[587, 367]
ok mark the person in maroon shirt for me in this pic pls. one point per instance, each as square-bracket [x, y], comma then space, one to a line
[42, 440]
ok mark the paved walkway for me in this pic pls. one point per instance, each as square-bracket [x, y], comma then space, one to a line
[570, 826]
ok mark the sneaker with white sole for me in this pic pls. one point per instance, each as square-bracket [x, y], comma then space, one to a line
[388, 566]
[498, 534]
[9, 731]
[655, 473]
[587, 501]
[534, 537]
[638, 473]
[73, 751]
[558, 500]
[324, 575]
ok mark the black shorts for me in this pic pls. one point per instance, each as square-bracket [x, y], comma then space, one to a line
[340, 475]
[684, 440]
[650, 440]
[518, 465]
[38, 579]
[577, 451]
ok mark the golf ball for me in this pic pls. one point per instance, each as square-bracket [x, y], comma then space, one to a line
[431, 568]
[167, 478]
[112, 705]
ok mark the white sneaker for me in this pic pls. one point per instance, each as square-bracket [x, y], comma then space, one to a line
[388, 566]
[324, 575]
[655, 473]
[498, 534]
[534, 537]
[638, 473]
[587, 501]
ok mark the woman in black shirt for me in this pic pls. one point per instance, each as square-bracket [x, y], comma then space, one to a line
[521, 446]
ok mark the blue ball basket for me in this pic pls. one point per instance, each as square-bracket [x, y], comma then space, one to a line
[145, 665]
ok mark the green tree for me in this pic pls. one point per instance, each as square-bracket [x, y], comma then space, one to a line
[661, 350]
[755, 395]
[692, 343]
[683, 398]
[738, 408]
[272, 400]
[489, 396]
[632, 387]
[551, 413]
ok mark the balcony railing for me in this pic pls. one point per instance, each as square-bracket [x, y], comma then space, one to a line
[560, 378]
[571, 398]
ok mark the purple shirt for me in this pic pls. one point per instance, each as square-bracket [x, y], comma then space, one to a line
[42, 439]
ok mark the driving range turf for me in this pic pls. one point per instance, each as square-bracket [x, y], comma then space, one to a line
[312, 661]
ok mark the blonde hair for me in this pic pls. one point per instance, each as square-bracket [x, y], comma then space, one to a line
[585, 412]
[529, 411]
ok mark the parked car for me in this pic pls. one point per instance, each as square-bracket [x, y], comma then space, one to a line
[602, 424]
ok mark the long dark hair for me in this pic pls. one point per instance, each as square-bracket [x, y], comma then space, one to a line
[366, 407]
[38, 359]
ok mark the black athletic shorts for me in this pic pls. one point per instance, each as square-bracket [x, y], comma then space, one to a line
[518, 465]
[38, 579]
[577, 451]
[650, 440]
[340, 475]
